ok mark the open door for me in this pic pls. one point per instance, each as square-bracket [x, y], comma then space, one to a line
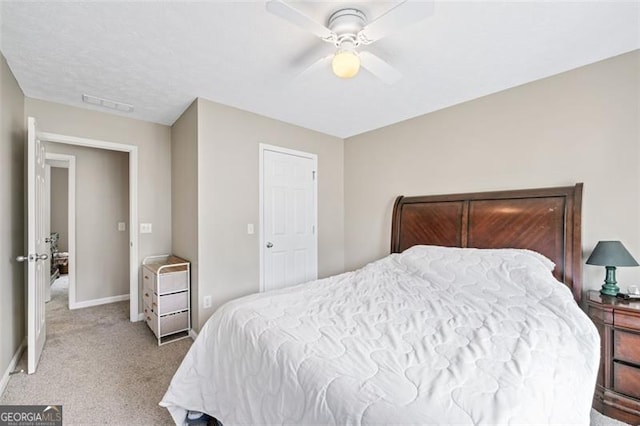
[36, 246]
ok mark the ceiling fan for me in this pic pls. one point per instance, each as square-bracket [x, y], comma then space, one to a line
[348, 29]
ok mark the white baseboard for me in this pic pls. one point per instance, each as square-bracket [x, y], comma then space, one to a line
[193, 334]
[96, 302]
[141, 316]
[12, 365]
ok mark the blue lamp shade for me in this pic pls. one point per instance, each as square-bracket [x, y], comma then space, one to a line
[611, 254]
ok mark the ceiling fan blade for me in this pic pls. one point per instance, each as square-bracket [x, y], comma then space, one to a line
[307, 56]
[379, 68]
[293, 15]
[311, 69]
[402, 15]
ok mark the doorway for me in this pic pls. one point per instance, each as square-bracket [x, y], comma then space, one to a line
[132, 213]
[37, 278]
[61, 222]
[101, 261]
[288, 217]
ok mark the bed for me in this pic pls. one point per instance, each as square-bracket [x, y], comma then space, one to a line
[472, 319]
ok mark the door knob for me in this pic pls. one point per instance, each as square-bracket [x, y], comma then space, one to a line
[269, 244]
[32, 257]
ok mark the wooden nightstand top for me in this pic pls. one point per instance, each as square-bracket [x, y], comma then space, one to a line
[594, 296]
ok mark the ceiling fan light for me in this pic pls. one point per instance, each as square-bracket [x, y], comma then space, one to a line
[345, 64]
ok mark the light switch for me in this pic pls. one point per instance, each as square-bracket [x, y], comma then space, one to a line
[250, 228]
[122, 226]
[145, 228]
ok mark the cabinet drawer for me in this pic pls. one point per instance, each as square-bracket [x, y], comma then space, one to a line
[173, 322]
[174, 281]
[147, 296]
[600, 315]
[148, 279]
[627, 320]
[626, 379]
[626, 346]
[168, 282]
[170, 302]
[147, 311]
[152, 320]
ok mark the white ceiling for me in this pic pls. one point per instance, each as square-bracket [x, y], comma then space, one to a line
[159, 56]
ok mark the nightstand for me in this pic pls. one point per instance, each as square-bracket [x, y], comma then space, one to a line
[618, 387]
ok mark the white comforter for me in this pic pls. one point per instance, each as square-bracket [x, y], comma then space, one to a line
[430, 336]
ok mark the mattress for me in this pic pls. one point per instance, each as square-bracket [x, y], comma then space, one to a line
[433, 335]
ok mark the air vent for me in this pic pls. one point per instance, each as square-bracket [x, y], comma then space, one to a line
[106, 103]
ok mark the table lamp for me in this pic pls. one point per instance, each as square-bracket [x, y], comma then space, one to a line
[610, 254]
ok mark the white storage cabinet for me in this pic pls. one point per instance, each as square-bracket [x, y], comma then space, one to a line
[166, 297]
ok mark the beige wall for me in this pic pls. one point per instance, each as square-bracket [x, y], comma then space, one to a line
[102, 200]
[579, 126]
[12, 220]
[184, 195]
[228, 198]
[154, 160]
[60, 206]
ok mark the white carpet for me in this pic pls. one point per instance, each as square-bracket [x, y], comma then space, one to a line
[104, 369]
[99, 366]
[598, 419]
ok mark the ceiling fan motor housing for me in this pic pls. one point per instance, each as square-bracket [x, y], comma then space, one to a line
[346, 24]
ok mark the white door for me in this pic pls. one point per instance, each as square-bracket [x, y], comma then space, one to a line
[37, 248]
[289, 237]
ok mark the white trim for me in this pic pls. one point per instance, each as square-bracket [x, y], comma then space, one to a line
[133, 235]
[71, 230]
[262, 147]
[47, 227]
[281, 150]
[69, 162]
[91, 143]
[134, 313]
[12, 365]
[61, 164]
[141, 316]
[96, 302]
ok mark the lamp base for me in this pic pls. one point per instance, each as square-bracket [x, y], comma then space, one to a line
[609, 288]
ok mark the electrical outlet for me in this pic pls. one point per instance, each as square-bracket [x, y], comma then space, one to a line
[145, 228]
[206, 302]
[122, 226]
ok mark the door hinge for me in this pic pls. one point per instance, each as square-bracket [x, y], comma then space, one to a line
[313, 229]
[313, 175]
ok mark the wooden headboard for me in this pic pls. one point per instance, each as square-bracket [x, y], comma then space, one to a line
[546, 220]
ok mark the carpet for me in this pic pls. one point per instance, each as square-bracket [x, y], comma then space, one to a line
[598, 419]
[98, 365]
